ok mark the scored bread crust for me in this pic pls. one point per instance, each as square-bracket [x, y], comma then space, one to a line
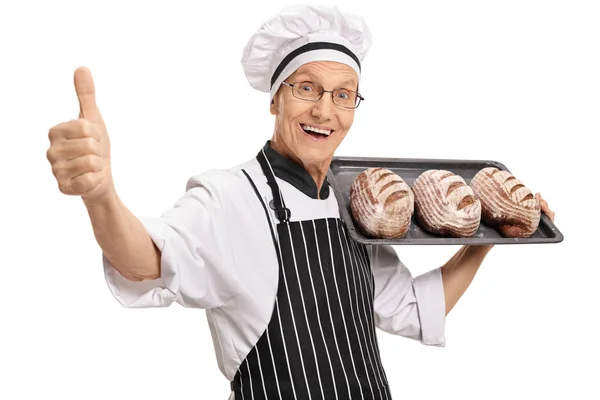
[445, 205]
[507, 204]
[382, 203]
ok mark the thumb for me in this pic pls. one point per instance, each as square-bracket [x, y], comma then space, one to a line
[86, 94]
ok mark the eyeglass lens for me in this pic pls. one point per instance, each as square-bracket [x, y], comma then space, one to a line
[313, 92]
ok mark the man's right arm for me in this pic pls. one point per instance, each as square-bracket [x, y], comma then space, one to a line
[80, 157]
[123, 239]
[183, 256]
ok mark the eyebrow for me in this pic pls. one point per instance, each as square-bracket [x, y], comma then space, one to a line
[314, 77]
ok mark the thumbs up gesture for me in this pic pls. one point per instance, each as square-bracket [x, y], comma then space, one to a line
[80, 149]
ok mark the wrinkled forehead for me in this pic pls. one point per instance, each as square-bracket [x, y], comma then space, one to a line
[327, 73]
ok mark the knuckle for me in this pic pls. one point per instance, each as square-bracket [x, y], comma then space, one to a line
[57, 132]
[54, 132]
[88, 130]
[89, 180]
[90, 145]
[83, 183]
[92, 163]
[85, 128]
[50, 155]
[99, 164]
[85, 163]
[64, 187]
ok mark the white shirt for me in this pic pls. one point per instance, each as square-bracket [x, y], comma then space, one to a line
[218, 255]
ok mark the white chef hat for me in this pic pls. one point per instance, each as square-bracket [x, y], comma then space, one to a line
[300, 34]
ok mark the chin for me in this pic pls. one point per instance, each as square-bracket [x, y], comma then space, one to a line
[314, 155]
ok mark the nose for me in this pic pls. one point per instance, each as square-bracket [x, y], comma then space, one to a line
[322, 109]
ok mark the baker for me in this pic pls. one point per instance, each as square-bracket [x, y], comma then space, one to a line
[292, 301]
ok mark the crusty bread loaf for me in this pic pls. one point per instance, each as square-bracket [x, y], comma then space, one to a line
[445, 205]
[507, 204]
[382, 203]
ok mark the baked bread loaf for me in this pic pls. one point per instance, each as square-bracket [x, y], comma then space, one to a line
[507, 204]
[382, 203]
[445, 205]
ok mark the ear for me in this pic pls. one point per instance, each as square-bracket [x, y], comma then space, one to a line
[273, 108]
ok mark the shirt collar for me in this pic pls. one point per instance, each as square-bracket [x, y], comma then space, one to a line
[294, 174]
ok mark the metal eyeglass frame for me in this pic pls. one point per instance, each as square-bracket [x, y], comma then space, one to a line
[360, 98]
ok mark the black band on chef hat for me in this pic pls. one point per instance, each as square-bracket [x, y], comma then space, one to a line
[311, 47]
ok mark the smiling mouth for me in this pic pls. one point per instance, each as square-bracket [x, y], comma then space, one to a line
[316, 132]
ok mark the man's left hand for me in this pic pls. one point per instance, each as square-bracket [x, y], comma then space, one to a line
[544, 206]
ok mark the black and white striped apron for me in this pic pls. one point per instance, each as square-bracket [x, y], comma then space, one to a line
[320, 343]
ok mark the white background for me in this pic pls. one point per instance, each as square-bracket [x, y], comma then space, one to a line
[512, 81]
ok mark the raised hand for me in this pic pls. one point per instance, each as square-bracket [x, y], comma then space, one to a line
[80, 149]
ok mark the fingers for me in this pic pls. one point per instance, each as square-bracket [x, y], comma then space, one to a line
[63, 171]
[86, 94]
[78, 175]
[543, 203]
[544, 207]
[75, 129]
[80, 185]
[66, 150]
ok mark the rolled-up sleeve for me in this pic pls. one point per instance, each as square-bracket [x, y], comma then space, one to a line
[197, 264]
[413, 307]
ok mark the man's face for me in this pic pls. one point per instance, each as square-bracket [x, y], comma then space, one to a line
[294, 115]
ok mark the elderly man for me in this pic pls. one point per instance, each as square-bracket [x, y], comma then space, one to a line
[291, 300]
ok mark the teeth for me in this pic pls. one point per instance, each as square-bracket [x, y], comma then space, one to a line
[321, 131]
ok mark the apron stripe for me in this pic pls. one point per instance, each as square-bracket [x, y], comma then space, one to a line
[241, 384]
[363, 252]
[306, 281]
[262, 378]
[289, 320]
[272, 372]
[369, 323]
[308, 355]
[374, 337]
[289, 383]
[351, 286]
[339, 284]
[364, 286]
[332, 307]
[285, 385]
[250, 388]
[357, 277]
[321, 308]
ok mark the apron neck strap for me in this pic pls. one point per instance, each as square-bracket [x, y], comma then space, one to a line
[283, 213]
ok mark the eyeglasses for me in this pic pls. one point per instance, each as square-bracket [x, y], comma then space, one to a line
[310, 91]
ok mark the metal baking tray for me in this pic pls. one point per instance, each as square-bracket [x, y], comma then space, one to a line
[343, 171]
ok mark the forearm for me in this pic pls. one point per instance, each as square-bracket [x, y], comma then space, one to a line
[459, 271]
[123, 239]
